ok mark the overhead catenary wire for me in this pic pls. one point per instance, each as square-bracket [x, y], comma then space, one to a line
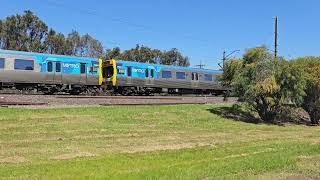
[127, 22]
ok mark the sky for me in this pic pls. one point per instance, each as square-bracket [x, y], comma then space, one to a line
[200, 29]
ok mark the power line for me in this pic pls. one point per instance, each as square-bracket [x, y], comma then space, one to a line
[201, 66]
[122, 20]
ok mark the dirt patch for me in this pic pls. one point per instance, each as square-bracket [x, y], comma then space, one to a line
[73, 156]
[13, 160]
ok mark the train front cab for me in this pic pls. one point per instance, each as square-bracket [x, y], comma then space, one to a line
[109, 72]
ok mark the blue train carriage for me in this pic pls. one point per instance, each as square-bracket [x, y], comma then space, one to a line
[48, 73]
[128, 77]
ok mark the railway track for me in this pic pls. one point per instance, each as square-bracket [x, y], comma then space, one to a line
[57, 101]
[151, 104]
[120, 97]
[12, 103]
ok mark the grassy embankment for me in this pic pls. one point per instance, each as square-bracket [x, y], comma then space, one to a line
[186, 142]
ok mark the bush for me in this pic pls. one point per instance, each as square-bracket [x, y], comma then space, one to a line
[311, 103]
[267, 85]
[231, 68]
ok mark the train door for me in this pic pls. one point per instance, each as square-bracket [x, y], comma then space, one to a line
[194, 80]
[149, 76]
[50, 72]
[83, 73]
[54, 74]
[129, 75]
[57, 77]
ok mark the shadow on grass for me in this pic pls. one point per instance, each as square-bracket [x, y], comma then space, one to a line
[236, 112]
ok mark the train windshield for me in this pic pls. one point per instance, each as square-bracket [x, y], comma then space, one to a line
[108, 72]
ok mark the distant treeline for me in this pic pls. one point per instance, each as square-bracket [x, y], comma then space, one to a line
[27, 32]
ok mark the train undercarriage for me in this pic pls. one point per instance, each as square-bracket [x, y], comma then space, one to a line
[146, 91]
[49, 89]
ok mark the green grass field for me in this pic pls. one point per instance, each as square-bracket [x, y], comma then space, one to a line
[166, 142]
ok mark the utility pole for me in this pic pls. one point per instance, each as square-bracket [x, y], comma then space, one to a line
[201, 66]
[225, 58]
[276, 37]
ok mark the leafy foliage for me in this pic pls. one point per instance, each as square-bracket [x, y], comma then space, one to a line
[149, 55]
[27, 32]
[311, 103]
[231, 69]
[23, 32]
[268, 85]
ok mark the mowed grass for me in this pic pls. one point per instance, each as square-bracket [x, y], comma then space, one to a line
[154, 142]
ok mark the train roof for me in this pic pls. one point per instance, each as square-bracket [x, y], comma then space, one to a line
[23, 53]
[173, 67]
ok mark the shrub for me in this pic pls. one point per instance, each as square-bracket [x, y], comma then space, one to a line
[311, 103]
[267, 85]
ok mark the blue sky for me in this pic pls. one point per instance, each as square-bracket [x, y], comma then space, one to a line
[201, 29]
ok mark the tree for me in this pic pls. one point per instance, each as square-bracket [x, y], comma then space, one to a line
[231, 69]
[90, 47]
[55, 43]
[140, 54]
[1, 39]
[311, 69]
[113, 53]
[27, 32]
[73, 44]
[23, 32]
[267, 85]
[148, 55]
[174, 57]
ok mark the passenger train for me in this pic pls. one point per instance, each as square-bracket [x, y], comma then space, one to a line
[49, 74]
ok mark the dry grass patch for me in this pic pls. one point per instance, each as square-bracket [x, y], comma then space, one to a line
[73, 156]
[13, 160]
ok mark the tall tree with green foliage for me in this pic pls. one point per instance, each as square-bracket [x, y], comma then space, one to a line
[90, 47]
[27, 32]
[311, 103]
[267, 84]
[73, 43]
[148, 55]
[55, 43]
[230, 70]
[113, 53]
[23, 33]
[174, 57]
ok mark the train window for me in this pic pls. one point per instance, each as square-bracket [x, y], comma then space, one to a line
[147, 73]
[82, 68]
[94, 68]
[152, 73]
[1, 63]
[166, 74]
[181, 75]
[21, 64]
[208, 77]
[108, 72]
[192, 75]
[129, 71]
[58, 66]
[49, 66]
